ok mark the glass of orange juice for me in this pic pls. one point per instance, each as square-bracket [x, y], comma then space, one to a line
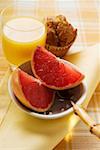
[22, 31]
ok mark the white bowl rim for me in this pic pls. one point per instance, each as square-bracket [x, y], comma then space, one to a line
[50, 116]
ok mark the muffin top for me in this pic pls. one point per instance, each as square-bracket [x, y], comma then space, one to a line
[60, 33]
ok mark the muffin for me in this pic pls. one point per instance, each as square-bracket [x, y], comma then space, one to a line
[60, 35]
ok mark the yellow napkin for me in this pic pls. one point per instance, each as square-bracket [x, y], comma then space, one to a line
[21, 131]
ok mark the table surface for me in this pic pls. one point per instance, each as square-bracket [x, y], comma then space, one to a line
[84, 15]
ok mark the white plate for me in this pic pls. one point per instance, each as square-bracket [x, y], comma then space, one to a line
[26, 67]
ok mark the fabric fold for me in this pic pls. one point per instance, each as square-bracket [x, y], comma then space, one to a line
[21, 131]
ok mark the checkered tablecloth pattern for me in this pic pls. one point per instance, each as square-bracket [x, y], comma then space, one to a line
[80, 138]
[84, 15]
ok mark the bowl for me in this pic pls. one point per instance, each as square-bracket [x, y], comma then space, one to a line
[62, 103]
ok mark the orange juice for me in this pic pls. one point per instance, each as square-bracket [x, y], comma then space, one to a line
[20, 37]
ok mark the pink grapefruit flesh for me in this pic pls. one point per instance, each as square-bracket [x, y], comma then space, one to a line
[31, 92]
[52, 72]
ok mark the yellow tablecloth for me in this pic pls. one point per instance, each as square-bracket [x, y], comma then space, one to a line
[20, 131]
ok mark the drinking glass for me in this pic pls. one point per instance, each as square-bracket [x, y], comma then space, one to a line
[23, 30]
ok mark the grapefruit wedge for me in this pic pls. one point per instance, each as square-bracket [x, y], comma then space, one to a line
[53, 72]
[31, 92]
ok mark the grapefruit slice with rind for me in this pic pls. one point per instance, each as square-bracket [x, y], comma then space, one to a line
[31, 92]
[53, 72]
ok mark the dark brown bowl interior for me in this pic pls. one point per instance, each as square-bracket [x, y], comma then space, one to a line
[63, 98]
